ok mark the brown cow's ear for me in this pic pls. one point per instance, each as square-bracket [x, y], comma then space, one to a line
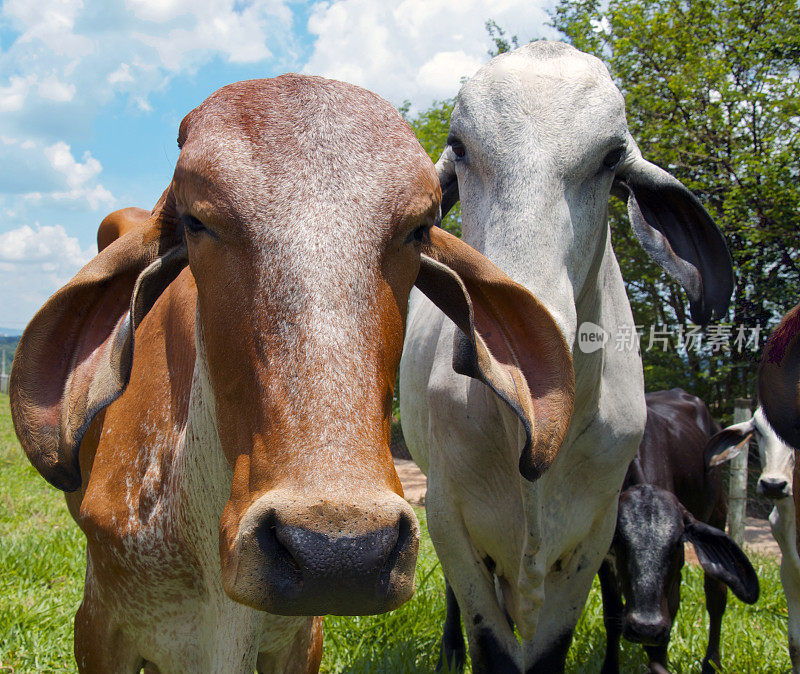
[779, 379]
[728, 443]
[75, 356]
[508, 340]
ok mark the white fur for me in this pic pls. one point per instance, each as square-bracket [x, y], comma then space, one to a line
[536, 124]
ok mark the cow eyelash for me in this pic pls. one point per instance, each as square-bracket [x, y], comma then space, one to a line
[457, 147]
[421, 234]
[192, 224]
[613, 158]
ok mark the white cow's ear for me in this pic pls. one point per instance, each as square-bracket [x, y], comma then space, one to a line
[728, 443]
[779, 378]
[508, 340]
[75, 356]
[722, 559]
[678, 233]
[446, 169]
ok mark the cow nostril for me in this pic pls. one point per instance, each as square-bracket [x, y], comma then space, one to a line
[288, 572]
[404, 529]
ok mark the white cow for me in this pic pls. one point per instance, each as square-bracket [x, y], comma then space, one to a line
[538, 140]
[775, 483]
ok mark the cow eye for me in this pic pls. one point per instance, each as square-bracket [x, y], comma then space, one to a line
[192, 224]
[421, 234]
[458, 148]
[612, 159]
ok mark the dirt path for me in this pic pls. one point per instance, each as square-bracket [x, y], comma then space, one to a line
[757, 536]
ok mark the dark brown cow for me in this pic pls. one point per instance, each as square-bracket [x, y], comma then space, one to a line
[230, 467]
[119, 222]
[779, 378]
[669, 496]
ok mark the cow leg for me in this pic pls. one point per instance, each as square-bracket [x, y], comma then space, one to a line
[716, 601]
[492, 644]
[612, 617]
[782, 521]
[100, 646]
[453, 651]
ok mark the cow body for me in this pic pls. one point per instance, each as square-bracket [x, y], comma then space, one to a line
[669, 494]
[538, 138]
[777, 483]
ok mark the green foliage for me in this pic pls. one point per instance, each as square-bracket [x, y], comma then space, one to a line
[712, 89]
[43, 558]
[497, 34]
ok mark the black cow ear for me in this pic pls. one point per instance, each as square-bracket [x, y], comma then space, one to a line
[722, 559]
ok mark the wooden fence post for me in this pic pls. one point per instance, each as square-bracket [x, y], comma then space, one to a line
[737, 492]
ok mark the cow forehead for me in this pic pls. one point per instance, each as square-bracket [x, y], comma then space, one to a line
[294, 139]
[645, 510]
[552, 85]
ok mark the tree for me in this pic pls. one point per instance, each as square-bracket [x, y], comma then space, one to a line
[712, 89]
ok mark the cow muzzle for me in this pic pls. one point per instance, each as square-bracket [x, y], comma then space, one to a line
[773, 488]
[646, 629]
[296, 558]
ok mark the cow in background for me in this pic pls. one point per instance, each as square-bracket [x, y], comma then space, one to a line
[779, 380]
[777, 483]
[668, 497]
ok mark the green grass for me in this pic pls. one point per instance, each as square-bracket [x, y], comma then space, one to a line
[42, 563]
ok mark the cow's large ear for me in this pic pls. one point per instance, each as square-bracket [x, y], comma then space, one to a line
[728, 443]
[779, 379]
[508, 340]
[677, 232]
[722, 559]
[75, 356]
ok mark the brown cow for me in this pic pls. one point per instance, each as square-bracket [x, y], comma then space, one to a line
[779, 378]
[230, 467]
[119, 222]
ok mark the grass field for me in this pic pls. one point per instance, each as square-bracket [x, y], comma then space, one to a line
[41, 580]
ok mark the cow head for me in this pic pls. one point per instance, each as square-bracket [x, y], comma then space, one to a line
[779, 378]
[647, 553]
[304, 209]
[777, 458]
[538, 142]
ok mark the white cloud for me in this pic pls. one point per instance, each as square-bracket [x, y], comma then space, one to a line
[76, 174]
[34, 263]
[55, 90]
[443, 72]
[13, 95]
[417, 49]
[49, 244]
[50, 173]
[121, 74]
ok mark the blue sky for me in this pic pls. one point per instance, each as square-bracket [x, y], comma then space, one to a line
[92, 93]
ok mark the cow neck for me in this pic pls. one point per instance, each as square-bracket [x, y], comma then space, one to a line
[561, 264]
[206, 476]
